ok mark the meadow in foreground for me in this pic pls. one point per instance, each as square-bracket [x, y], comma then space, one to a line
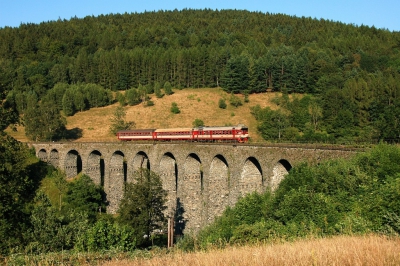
[341, 250]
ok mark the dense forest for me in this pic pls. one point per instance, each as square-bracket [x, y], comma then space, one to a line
[351, 74]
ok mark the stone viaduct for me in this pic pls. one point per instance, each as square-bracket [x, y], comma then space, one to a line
[201, 179]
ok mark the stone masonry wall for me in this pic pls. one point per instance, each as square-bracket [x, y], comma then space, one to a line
[201, 180]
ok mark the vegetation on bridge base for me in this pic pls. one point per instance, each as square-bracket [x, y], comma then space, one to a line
[359, 196]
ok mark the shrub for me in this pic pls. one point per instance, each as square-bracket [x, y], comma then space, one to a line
[198, 123]
[235, 100]
[222, 104]
[263, 230]
[246, 96]
[174, 108]
[149, 103]
[106, 235]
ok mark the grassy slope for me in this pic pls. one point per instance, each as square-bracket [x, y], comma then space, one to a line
[193, 103]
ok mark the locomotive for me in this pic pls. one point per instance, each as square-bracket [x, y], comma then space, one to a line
[237, 133]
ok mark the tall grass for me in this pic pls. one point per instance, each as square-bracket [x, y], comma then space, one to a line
[340, 250]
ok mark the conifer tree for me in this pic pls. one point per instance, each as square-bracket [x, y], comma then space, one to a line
[168, 88]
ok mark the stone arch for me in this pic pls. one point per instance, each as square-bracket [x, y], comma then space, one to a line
[141, 160]
[54, 158]
[190, 192]
[95, 167]
[72, 163]
[168, 170]
[42, 155]
[218, 187]
[116, 181]
[279, 171]
[251, 176]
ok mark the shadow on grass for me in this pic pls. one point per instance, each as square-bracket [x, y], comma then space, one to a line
[74, 133]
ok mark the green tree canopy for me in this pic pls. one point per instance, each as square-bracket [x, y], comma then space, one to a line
[174, 108]
[20, 173]
[236, 77]
[168, 88]
[44, 122]
[143, 204]
[85, 196]
[118, 121]
[198, 123]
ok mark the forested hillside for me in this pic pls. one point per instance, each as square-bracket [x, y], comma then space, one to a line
[333, 82]
[352, 73]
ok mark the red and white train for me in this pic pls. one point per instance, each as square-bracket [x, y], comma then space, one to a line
[237, 133]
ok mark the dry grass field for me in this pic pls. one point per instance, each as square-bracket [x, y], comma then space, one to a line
[341, 250]
[193, 103]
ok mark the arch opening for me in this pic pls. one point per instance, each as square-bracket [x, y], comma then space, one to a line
[54, 158]
[251, 178]
[73, 163]
[95, 167]
[279, 171]
[141, 160]
[42, 155]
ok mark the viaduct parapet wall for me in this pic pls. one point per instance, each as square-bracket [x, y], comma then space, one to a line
[201, 179]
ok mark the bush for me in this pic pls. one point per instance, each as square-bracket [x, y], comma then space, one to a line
[222, 104]
[120, 98]
[106, 235]
[235, 100]
[246, 96]
[149, 103]
[263, 230]
[174, 108]
[219, 232]
[186, 243]
[198, 123]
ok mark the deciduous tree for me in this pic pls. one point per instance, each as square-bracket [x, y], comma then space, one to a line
[143, 204]
[118, 121]
[83, 195]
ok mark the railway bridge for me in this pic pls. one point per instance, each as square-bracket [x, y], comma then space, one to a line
[201, 179]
